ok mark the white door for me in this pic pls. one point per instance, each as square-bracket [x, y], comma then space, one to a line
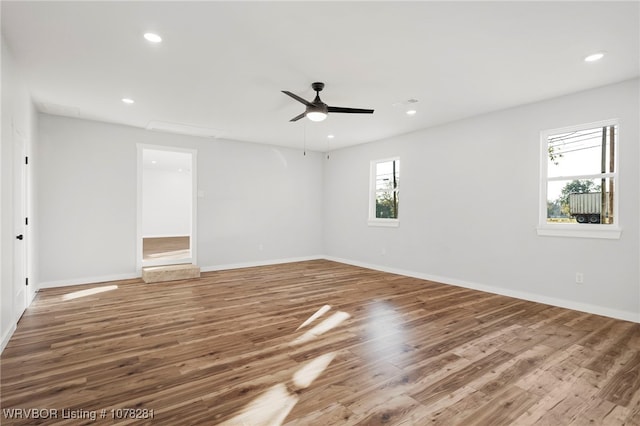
[20, 228]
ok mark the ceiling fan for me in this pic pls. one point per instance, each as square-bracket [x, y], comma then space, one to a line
[318, 110]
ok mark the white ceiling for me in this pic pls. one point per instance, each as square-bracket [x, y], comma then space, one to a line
[221, 65]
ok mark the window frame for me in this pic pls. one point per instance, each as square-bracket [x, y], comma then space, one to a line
[379, 221]
[606, 231]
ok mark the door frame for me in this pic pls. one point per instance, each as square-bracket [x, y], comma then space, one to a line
[194, 206]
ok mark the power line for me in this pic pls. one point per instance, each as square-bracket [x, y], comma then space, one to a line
[576, 149]
[578, 138]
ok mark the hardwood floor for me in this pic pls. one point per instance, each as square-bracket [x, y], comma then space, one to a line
[154, 248]
[315, 343]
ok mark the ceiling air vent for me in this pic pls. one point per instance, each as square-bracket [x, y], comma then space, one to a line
[404, 103]
[183, 129]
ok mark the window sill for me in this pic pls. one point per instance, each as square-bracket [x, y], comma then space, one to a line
[610, 232]
[388, 223]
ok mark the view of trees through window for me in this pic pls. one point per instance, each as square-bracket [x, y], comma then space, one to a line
[387, 189]
[581, 176]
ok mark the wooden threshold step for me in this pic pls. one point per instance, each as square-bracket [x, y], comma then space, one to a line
[157, 274]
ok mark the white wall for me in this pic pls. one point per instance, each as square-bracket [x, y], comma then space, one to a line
[263, 204]
[17, 113]
[166, 203]
[260, 203]
[469, 207]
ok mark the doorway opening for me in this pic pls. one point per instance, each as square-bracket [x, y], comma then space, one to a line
[166, 206]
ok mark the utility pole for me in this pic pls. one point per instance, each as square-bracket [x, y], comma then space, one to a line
[603, 181]
[612, 142]
[395, 196]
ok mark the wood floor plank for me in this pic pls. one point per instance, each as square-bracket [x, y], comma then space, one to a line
[448, 384]
[504, 409]
[315, 342]
[624, 385]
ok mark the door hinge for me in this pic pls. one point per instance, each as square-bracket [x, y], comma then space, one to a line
[26, 220]
[26, 160]
[26, 281]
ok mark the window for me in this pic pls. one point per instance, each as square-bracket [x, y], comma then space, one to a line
[579, 181]
[384, 192]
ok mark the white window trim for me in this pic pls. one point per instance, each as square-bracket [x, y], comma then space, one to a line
[577, 230]
[373, 220]
[390, 223]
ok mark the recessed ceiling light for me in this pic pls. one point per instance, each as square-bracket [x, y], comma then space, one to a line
[128, 101]
[180, 170]
[153, 38]
[153, 161]
[411, 112]
[594, 57]
[330, 136]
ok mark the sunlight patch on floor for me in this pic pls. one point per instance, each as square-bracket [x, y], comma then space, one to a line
[326, 325]
[270, 408]
[88, 292]
[312, 370]
[177, 254]
[320, 312]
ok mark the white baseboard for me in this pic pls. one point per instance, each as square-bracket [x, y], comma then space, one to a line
[87, 280]
[562, 303]
[259, 263]
[6, 337]
[133, 275]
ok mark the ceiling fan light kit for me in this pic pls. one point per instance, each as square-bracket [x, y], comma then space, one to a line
[318, 110]
[316, 115]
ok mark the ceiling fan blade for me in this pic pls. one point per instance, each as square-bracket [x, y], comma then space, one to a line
[297, 98]
[350, 110]
[298, 117]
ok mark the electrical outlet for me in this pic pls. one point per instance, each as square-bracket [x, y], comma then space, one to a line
[579, 278]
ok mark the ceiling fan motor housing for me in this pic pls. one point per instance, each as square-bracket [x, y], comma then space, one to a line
[317, 106]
